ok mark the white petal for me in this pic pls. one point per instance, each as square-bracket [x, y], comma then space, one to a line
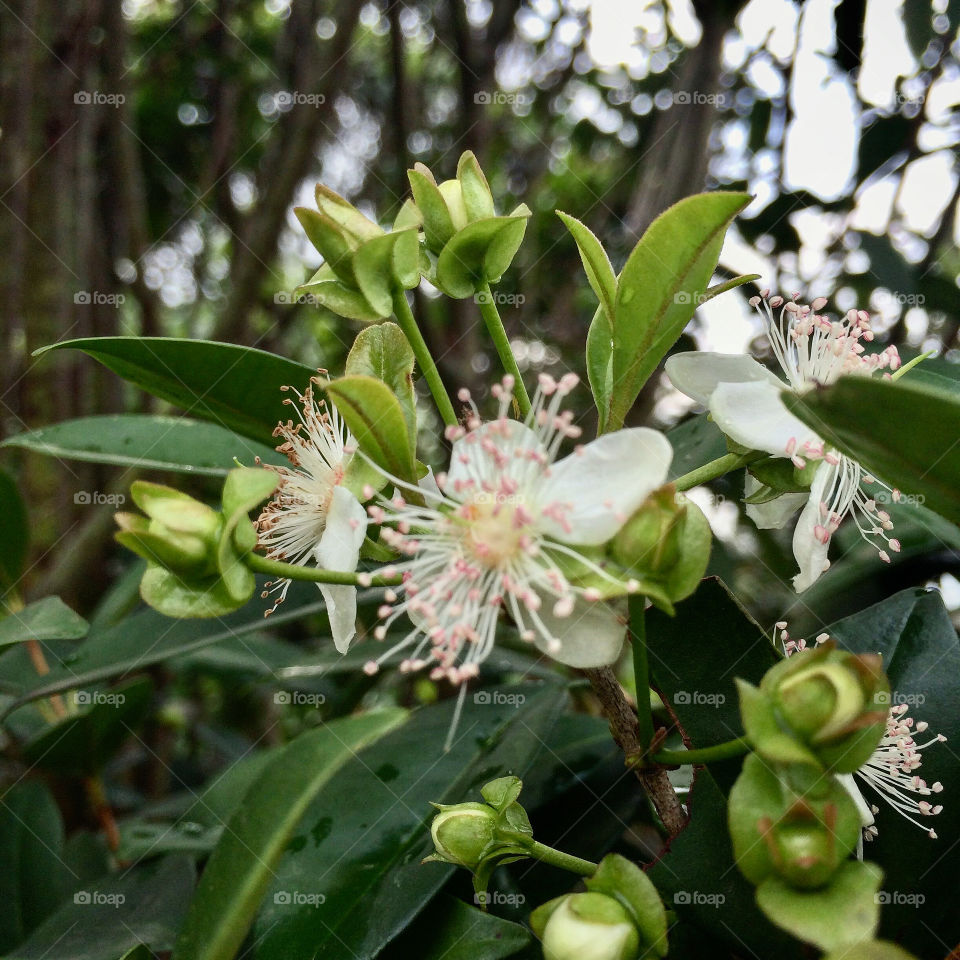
[811, 554]
[592, 636]
[775, 513]
[699, 372]
[428, 484]
[603, 484]
[469, 461]
[754, 416]
[339, 549]
[863, 808]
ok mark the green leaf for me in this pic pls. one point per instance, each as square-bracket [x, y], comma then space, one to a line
[241, 866]
[437, 223]
[83, 743]
[107, 918]
[872, 950]
[33, 874]
[47, 619]
[364, 857]
[840, 915]
[382, 352]
[327, 290]
[661, 286]
[14, 531]
[174, 597]
[596, 263]
[449, 929]
[244, 489]
[236, 387]
[600, 365]
[695, 442]
[376, 419]
[146, 442]
[476, 191]
[902, 432]
[478, 254]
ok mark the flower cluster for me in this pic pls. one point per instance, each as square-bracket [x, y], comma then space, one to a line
[744, 398]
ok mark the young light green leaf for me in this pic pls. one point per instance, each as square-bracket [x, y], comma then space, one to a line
[241, 866]
[386, 265]
[478, 254]
[903, 432]
[661, 285]
[376, 419]
[382, 351]
[596, 263]
[328, 291]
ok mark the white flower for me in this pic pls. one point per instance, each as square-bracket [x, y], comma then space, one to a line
[499, 530]
[891, 771]
[744, 399]
[313, 516]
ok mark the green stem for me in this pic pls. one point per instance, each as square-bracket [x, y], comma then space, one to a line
[557, 858]
[491, 317]
[428, 368]
[641, 669]
[715, 468]
[293, 571]
[719, 751]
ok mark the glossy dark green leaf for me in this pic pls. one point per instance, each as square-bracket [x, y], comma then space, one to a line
[47, 619]
[902, 432]
[660, 287]
[375, 417]
[913, 632]
[146, 442]
[450, 929]
[33, 874]
[110, 916]
[241, 866]
[236, 387]
[83, 742]
[14, 531]
[364, 858]
[695, 442]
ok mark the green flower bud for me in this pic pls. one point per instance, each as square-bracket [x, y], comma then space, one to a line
[823, 706]
[452, 193]
[805, 852]
[463, 833]
[589, 926]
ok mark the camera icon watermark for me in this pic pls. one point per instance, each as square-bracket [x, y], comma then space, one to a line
[496, 698]
[297, 698]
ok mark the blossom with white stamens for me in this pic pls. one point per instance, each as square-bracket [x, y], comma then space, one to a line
[313, 516]
[744, 399]
[503, 529]
[892, 768]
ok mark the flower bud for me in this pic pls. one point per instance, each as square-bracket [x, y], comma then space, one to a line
[463, 833]
[805, 852]
[822, 706]
[589, 926]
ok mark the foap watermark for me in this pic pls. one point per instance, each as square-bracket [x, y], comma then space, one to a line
[298, 898]
[98, 698]
[496, 698]
[487, 97]
[900, 298]
[497, 898]
[500, 299]
[896, 898]
[699, 898]
[98, 299]
[895, 698]
[95, 498]
[97, 98]
[297, 98]
[697, 698]
[685, 296]
[699, 98]
[94, 898]
[296, 298]
[297, 698]
[896, 497]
